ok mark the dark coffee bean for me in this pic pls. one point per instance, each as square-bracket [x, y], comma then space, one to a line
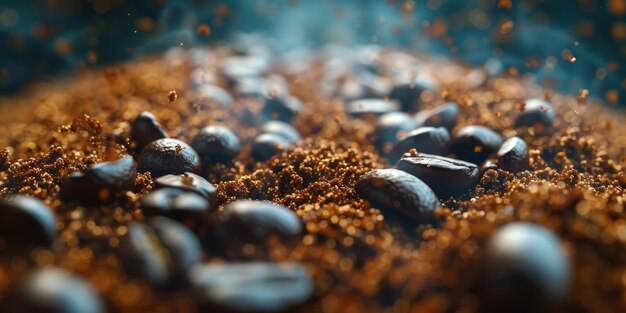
[100, 183]
[250, 287]
[526, 270]
[475, 143]
[267, 145]
[408, 91]
[53, 290]
[189, 182]
[188, 208]
[212, 96]
[282, 129]
[159, 251]
[253, 222]
[446, 177]
[536, 113]
[168, 156]
[424, 139]
[365, 107]
[282, 108]
[25, 221]
[443, 116]
[513, 155]
[399, 192]
[389, 128]
[145, 129]
[216, 144]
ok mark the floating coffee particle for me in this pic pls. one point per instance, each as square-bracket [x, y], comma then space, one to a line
[365, 107]
[282, 129]
[445, 176]
[188, 208]
[168, 156]
[267, 145]
[536, 113]
[216, 144]
[389, 127]
[513, 155]
[424, 139]
[26, 221]
[400, 192]
[189, 182]
[444, 116]
[475, 143]
[145, 129]
[172, 96]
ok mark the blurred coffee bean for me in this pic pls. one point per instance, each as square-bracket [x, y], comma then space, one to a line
[399, 192]
[216, 144]
[424, 139]
[160, 251]
[443, 116]
[250, 287]
[485, 166]
[237, 67]
[145, 129]
[475, 143]
[445, 176]
[188, 208]
[513, 155]
[189, 182]
[212, 96]
[526, 270]
[282, 129]
[168, 156]
[267, 145]
[408, 91]
[389, 127]
[26, 221]
[53, 290]
[100, 183]
[371, 106]
[537, 113]
[282, 108]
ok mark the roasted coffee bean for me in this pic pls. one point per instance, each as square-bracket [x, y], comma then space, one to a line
[212, 96]
[282, 129]
[145, 129]
[536, 113]
[513, 155]
[485, 166]
[159, 251]
[526, 270]
[475, 143]
[446, 177]
[53, 290]
[267, 145]
[424, 139]
[100, 183]
[26, 221]
[188, 208]
[283, 108]
[372, 106]
[168, 156]
[253, 222]
[237, 67]
[443, 116]
[189, 182]
[216, 144]
[250, 287]
[389, 128]
[408, 91]
[399, 192]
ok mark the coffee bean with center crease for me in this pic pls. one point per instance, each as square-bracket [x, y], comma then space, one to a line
[145, 129]
[216, 144]
[395, 191]
[250, 287]
[536, 113]
[513, 155]
[475, 143]
[446, 177]
[27, 221]
[189, 182]
[424, 139]
[100, 183]
[388, 127]
[188, 208]
[53, 290]
[267, 145]
[443, 116]
[282, 129]
[168, 156]
[371, 107]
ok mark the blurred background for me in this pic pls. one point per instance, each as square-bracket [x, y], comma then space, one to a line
[567, 44]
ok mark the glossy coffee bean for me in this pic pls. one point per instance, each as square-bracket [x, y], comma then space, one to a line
[216, 144]
[475, 143]
[188, 208]
[100, 183]
[424, 139]
[283, 108]
[443, 116]
[145, 129]
[168, 156]
[159, 251]
[282, 129]
[536, 113]
[408, 92]
[389, 128]
[371, 106]
[399, 192]
[445, 176]
[513, 155]
[27, 221]
[53, 290]
[250, 287]
[212, 96]
[267, 145]
[526, 270]
[189, 182]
